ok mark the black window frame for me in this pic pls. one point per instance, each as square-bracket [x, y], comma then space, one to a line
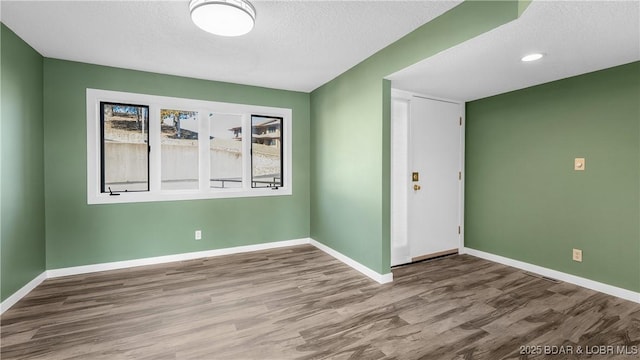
[282, 170]
[102, 148]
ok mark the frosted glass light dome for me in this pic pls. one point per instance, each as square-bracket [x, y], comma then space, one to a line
[223, 17]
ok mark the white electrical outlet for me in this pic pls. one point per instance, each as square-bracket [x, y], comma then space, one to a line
[198, 234]
[577, 255]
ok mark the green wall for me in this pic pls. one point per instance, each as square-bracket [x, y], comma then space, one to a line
[79, 234]
[350, 134]
[524, 200]
[22, 242]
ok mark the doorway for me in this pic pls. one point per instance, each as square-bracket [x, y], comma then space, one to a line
[426, 182]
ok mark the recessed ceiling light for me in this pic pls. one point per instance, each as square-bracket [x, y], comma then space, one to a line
[223, 17]
[532, 57]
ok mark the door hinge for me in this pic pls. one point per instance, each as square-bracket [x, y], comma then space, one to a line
[460, 120]
[459, 175]
[458, 229]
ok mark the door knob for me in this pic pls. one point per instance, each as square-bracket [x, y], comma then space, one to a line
[416, 187]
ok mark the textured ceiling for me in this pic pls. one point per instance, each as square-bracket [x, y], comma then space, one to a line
[577, 37]
[295, 45]
[300, 45]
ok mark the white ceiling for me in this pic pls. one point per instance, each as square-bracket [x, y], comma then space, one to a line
[300, 45]
[577, 37]
[295, 45]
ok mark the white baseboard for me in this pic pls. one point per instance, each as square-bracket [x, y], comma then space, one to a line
[85, 269]
[380, 278]
[16, 296]
[576, 280]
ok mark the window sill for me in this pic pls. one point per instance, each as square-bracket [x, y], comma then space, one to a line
[182, 195]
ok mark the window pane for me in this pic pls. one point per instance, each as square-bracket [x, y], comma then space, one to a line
[179, 149]
[125, 151]
[225, 150]
[266, 150]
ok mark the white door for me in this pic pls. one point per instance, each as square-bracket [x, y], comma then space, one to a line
[425, 213]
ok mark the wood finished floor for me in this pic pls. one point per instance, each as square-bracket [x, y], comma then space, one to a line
[299, 303]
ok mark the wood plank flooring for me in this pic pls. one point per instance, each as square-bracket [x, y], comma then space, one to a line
[299, 303]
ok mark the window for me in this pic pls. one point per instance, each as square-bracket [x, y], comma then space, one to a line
[125, 147]
[225, 151]
[179, 146]
[266, 151]
[153, 148]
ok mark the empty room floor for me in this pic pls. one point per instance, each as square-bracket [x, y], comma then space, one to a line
[300, 303]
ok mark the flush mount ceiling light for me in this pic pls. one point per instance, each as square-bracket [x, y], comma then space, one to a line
[223, 17]
[532, 57]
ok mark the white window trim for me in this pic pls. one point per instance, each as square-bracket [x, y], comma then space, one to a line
[94, 196]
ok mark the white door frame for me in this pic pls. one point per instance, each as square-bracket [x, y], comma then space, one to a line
[406, 96]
